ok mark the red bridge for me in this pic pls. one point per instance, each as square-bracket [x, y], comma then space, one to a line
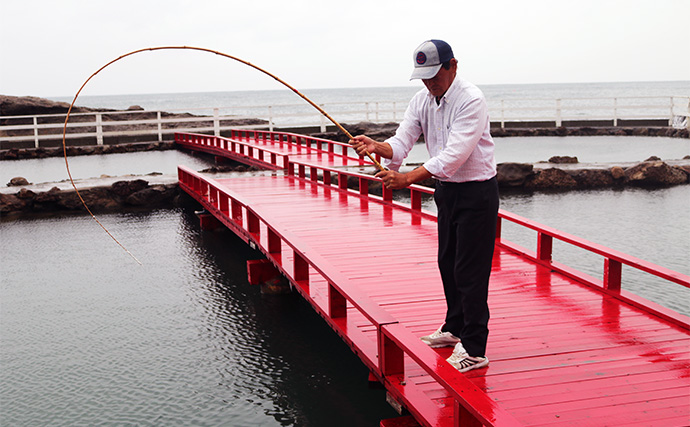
[565, 348]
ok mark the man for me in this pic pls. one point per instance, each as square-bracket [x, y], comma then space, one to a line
[452, 114]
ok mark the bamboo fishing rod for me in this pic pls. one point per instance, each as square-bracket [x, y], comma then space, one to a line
[69, 111]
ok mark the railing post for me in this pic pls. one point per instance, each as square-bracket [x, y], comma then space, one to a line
[503, 114]
[613, 273]
[160, 126]
[387, 193]
[544, 247]
[615, 112]
[216, 122]
[270, 118]
[463, 417]
[99, 129]
[415, 200]
[322, 120]
[558, 113]
[35, 132]
[363, 186]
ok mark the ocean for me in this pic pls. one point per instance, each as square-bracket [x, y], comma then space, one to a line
[88, 337]
[532, 100]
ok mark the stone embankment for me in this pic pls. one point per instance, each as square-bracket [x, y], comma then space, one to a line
[120, 195]
[652, 173]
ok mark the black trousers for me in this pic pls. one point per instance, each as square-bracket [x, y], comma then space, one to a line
[467, 214]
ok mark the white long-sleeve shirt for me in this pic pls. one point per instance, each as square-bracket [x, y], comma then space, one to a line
[456, 133]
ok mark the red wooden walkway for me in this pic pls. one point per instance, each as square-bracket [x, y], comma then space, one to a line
[565, 348]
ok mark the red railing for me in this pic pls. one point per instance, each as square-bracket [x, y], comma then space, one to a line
[243, 143]
[612, 276]
[385, 357]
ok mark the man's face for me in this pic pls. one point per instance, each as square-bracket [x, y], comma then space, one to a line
[439, 84]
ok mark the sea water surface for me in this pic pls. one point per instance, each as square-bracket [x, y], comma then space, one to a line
[89, 337]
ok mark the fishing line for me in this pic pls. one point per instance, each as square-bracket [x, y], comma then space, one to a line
[69, 111]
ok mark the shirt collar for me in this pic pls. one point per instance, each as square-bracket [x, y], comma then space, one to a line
[453, 87]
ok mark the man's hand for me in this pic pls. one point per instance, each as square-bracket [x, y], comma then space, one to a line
[393, 180]
[363, 144]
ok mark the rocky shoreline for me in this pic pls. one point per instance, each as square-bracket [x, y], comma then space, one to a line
[141, 193]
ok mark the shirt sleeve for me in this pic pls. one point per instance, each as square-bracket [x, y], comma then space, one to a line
[408, 132]
[466, 127]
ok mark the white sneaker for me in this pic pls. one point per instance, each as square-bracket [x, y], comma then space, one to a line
[440, 339]
[463, 362]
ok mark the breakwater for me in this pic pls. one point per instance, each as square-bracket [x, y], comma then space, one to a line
[164, 192]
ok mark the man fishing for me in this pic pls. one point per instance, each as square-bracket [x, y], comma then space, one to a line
[452, 115]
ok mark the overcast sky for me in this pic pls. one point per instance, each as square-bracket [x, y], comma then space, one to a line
[50, 47]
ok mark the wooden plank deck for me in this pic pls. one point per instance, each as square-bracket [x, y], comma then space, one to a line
[565, 349]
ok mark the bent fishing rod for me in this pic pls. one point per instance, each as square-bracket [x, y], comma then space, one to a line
[69, 111]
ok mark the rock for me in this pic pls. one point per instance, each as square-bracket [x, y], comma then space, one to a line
[125, 188]
[135, 108]
[652, 159]
[513, 174]
[563, 159]
[31, 105]
[17, 181]
[551, 178]
[593, 178]
[48, 200]
[617, 172]
[152, 196]
[685, 168]
[26, 194]
[655, 173]
[12, 203]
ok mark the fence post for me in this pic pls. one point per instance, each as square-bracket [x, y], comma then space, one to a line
[366, 106]
[558, 113]
[99, 129]
[322, 119]
[35, 132]
[270, 118]
[216, 122]
[503, 114]
[160, 126]
[615, 112]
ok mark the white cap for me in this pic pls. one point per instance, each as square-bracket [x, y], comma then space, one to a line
[429, 57]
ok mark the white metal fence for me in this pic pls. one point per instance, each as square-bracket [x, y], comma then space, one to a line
[132, 126]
